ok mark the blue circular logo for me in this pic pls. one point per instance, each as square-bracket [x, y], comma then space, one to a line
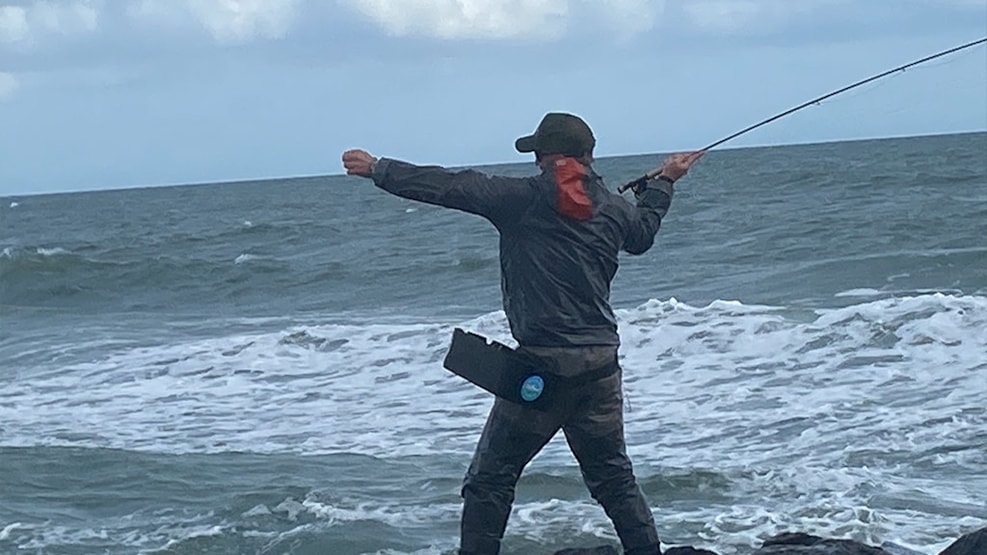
[532, 387]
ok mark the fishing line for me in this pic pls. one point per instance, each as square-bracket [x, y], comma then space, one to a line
[634, 185]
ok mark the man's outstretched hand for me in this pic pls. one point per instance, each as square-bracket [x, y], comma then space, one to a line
[677, 165]
[359, 162]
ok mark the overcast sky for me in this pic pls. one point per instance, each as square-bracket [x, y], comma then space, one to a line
[120, 93]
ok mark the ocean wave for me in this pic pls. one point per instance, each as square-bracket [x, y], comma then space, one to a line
[53, 276]
[41, 268]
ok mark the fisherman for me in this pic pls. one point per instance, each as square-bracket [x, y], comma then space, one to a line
[560, 235]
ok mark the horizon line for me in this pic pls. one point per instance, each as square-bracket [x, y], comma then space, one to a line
[235, 181]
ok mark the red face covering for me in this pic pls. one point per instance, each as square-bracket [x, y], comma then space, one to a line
[571, 198]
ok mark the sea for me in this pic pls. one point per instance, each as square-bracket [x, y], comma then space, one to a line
[256, 367]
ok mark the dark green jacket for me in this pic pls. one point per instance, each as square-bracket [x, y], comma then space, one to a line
[560, 235]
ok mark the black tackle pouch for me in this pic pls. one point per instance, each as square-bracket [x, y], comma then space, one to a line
[502, 371]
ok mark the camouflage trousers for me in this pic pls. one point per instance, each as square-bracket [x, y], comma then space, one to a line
[591, 417]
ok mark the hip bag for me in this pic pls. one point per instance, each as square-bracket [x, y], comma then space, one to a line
[511, 375]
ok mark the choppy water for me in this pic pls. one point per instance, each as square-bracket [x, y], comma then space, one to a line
[255, 367]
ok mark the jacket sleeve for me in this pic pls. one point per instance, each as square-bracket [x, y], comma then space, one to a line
[652, 205]
[495, 198]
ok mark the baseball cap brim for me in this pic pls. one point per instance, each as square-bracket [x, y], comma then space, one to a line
[525, 144]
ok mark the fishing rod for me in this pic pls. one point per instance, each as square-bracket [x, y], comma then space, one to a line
[634, 185]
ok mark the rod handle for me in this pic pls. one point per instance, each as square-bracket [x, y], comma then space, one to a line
[634, 185]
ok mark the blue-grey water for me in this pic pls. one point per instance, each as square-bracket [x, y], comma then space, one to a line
[256, 367]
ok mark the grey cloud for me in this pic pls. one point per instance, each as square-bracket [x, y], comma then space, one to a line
[23, 26]
[228, 21]
[142, 33]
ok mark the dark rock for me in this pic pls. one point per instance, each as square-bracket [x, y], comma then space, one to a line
[689, 551]
[974, 543]
[807, 544]
[600, 550]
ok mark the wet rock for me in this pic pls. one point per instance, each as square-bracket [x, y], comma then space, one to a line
[688, 550]
[601, 550]
[807, 544]
[974, 543]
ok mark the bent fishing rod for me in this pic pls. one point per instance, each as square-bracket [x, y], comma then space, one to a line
[637, 183]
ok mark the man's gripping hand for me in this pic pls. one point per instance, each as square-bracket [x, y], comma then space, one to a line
[359, 162]
[677, 165]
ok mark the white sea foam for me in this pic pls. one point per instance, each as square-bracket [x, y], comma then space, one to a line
[537, 521]
[245, 257]
[863, 292]
[194, 532]
[126, 532]
[826, 414]
[5, 533]
[740, 374]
